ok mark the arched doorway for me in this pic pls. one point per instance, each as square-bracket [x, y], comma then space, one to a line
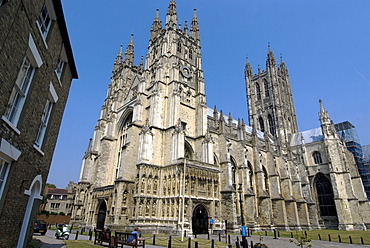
[200, 220]
[325, 198]
[101, 215]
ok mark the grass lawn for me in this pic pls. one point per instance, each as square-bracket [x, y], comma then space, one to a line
[324, 234]
[160, 241]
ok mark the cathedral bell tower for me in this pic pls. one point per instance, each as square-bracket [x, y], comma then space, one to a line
[270, 102]
[174, 74]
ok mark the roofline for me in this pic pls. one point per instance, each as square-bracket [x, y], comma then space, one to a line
[64, 32]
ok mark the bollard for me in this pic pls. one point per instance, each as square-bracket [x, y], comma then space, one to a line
[189, 242]
[184, 233]
[305, 233]
[350, 239]
[208, 235]
[248, 235]
[169, 242]
[251, 243]
[237, 243]
[213, 244]
[278, 234]
[195, 235]
[196, 244]
[229, 239]
[219, 236]
[265, 233]
[291, 234]
[275, 234]
[329, 237]
[339, 239]
[319, 236]
[76, 237]
[153, 239]
[90, 234]
[362, 241]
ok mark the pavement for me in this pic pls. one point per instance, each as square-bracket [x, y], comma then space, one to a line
[49, 241]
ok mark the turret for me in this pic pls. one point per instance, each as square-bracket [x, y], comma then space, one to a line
[171, 17]
[118, 61]
[327, 126]
[248, 69]
[156, 26]
[270, 62]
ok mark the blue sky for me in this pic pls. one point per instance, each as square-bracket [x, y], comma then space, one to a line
[325, 45]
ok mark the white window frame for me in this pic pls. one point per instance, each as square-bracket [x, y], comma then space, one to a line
[8, 154]
[50, 101]
[46, 17]
[61, 64]
[4, 172]
[31, 62]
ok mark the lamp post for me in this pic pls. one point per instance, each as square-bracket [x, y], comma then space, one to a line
[244, 232]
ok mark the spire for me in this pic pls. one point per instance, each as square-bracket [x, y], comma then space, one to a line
[118, 60]
[194, 28]
[270, 58]
[156, 26]
[171, 17]
[129, 53]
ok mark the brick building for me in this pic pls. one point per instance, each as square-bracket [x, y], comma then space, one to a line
[36, 71]
[60, 200]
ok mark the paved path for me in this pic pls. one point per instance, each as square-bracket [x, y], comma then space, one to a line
[49, 241]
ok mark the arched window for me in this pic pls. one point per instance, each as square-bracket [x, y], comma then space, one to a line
[258, 91]
[262, 125]
[271, 124]
[250, 175]
[179, 46]
[265, 177]
[325, 197]
[267, 91]
[233, 171]
[317, 157]
[188, 151]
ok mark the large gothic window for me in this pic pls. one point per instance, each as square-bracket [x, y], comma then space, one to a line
[325, 197]
[258, 91]
[267, 91]
[317, 157]
[271, 124]
[262, 125]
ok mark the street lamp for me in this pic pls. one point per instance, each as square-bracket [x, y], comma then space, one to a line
[244, 231]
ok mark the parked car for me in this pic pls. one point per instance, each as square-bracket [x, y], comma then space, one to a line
[40, 227]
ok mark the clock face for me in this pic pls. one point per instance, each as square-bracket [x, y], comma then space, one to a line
[185, 71]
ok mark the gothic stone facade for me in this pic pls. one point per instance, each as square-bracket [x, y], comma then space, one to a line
[160, 159]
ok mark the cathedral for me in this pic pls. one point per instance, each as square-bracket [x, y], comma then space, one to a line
[163, 161]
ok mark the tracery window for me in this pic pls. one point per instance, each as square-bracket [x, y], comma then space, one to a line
[325, 197]
[271, 124]
[258, 91]
[179, 46]
[317, 157]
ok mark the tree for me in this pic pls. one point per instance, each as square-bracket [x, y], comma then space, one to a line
[50, 185]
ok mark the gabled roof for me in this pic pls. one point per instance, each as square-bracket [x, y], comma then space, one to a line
[52, 191]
